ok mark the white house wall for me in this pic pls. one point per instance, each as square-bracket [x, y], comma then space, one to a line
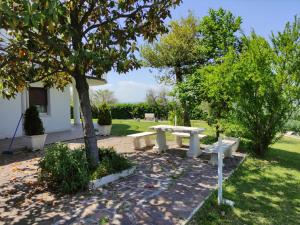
[10, 112]
[57, 118]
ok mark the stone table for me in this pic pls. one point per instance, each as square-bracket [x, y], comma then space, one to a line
[161, 145]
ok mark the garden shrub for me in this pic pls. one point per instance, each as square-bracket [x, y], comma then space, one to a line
[138, 110]
[232, 128]
[292, 125]
[208, 140]
[296, 115]
[122, 111]
[110, 162]
[33, 124]
[104, 115]
[178, 113]
[95, 111]
[198, 114]
[64, 170]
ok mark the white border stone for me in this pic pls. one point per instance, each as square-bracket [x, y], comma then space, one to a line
[111, 178]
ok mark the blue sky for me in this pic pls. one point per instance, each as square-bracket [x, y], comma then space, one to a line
[263, 16]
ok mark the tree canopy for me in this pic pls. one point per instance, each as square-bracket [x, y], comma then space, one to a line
[51, 38]
[157, 97]
[175, 51]
[259, 86]
[216, 34]
[219, 31]
[55, 41]
[100, 97]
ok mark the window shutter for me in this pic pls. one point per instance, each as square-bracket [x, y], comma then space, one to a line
[38, 96]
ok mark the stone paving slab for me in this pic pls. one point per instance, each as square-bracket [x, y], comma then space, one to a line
[145, 198]
[165, 189]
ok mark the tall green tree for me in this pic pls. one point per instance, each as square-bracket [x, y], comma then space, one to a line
[157, 97]
[212, 84]
[175, 53]
[259, 87]
[100, 97]
[267, 86]
[55, 41]
[218, 33]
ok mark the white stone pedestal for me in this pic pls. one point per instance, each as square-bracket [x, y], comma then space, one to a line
[161, 144]
[194, 149]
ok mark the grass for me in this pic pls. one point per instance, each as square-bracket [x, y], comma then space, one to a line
[125, 127]
[265, 191]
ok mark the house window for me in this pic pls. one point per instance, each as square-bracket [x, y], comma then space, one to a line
[39, 98]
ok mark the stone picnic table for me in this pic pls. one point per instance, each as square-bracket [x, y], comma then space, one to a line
[161, 145]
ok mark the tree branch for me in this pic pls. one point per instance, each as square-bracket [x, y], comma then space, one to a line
[118, 16]
[88, 13]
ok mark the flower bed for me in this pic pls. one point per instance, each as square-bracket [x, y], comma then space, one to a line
[66, 171]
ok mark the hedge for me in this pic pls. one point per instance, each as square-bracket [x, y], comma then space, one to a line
[293, 125]
[138, 110]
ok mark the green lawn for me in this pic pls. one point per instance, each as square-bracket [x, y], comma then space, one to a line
[125, 127]
[265, 191]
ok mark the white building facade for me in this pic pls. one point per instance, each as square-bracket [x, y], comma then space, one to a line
[53, 105]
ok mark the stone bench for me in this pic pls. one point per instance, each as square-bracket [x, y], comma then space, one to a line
[144, 135]
[228, 146]
[180, 135]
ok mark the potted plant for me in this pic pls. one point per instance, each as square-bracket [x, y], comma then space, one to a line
[34, 129]
[104, 120]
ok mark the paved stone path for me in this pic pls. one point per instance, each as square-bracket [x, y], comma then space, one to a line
[165, 189]
[22, 142]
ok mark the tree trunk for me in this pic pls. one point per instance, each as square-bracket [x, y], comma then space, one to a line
[186, 114]
[83, 93]
[88, 126]
[217, 131]
[184, 104]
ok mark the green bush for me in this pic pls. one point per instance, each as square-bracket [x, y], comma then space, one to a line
[292, 125]
[198, 114]
[178, 114]
[64, 170]
[104, 115]
[138, 110]
[33, 125]
[110, 162]
[232, 129]
[208, 140]
[296, 115]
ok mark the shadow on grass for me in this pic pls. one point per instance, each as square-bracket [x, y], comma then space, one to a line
[265, 191]
[287, 159]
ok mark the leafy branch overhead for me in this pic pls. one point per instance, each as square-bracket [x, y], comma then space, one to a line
[49, 39]
[58, 42]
